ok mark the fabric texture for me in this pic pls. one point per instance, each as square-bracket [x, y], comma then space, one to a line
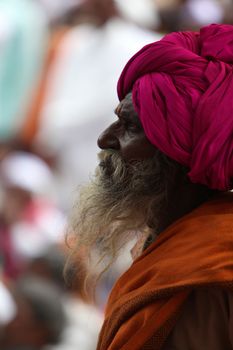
[183, 92]
[194, 252]
[205, 322]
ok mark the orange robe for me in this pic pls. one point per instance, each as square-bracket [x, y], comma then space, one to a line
[195, 251]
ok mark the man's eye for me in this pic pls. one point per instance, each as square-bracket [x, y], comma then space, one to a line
[129, 125]
[133, 127]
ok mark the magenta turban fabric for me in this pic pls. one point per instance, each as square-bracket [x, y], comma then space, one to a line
[183, 92]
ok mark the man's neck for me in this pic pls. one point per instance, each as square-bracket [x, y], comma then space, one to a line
[181, 201]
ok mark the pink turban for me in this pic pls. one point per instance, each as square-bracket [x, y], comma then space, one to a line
[183, 92]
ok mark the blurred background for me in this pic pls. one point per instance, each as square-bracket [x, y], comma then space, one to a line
[59, 65]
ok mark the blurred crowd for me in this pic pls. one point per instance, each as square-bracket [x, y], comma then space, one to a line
[59, 65]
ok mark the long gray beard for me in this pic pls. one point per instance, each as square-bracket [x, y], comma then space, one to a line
[118, 203]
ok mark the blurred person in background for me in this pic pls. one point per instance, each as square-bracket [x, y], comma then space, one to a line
[196, 13]
[49, 265]
[140, 12]
[39, 318]
[96, 45]
[84, 320]
[176, 15]
[23, 40]
[169, 14]
[29, 218]
[166, 176]
[56, 12]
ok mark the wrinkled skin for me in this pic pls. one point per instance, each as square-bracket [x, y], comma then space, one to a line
[126, 135]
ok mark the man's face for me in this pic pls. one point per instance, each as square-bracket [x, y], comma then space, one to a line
[126, 136]
[127, 192]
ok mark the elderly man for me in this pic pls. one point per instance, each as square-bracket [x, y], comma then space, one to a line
[166, 170]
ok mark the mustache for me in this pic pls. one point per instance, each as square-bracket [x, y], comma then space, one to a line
[111, 165]
[138, 178]
[105, 156]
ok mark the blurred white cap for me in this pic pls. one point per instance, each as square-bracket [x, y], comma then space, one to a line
[8, 308]
[26, 171]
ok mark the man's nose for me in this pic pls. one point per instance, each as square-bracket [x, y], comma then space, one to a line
[108, 140]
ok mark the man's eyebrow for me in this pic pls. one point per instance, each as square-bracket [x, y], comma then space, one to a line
[124, 113]
[117, 110]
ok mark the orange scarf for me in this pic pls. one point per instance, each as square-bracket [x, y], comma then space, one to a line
[195, 251]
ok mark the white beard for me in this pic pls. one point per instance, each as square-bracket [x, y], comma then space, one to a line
[119, 201]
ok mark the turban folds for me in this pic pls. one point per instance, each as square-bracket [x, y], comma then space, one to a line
[182, 91]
